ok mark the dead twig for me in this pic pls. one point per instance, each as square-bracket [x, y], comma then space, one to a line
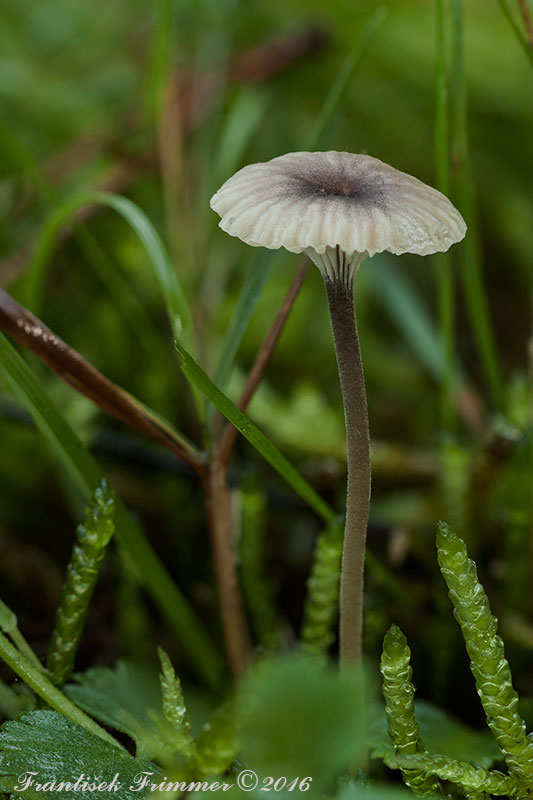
[30, 331]
[221, 520]
[230, 433]
[221, 527]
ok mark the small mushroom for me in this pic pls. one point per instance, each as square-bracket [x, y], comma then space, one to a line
[339, 208]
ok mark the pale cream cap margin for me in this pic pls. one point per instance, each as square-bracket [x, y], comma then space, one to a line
[320, 200]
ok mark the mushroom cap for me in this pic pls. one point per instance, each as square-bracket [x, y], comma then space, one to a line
[328, 199]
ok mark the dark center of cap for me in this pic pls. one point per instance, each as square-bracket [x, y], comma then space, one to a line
[332, 183]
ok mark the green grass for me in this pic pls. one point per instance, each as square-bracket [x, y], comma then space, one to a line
[106, 234]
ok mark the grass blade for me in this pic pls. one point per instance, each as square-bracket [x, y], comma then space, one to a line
[86, 475]
[470, 250]
[521, 39]
[159, 58]
[445, 276]
[126, 302]
[256, 279]
[244, 116]
[174, 298]
[407, 309]
[337, 91]
[30, 331]
[251, 432]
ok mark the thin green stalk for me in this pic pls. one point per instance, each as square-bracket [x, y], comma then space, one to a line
[194, 373]
[40, 684]
[159, 58]
[23, 647]
[455, 482]
[255, 281]
[9, 624]
[470, 252]
[343, 79]
[445, 278]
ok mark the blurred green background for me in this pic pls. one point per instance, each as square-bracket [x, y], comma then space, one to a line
[163, 101]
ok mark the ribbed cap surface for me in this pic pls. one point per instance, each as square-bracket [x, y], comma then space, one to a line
[318, 200]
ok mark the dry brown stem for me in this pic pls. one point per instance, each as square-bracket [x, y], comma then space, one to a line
[221, 528]
[236, 634]
[30, 331]
[230, 433]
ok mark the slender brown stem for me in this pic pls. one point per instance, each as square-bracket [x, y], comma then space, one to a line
[234, 623]
[342, 312]
[230, 433]
[526, 19]
[220, 513]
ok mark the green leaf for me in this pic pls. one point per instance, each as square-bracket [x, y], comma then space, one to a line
[86, 475]
[216, 745]
[126, 698]
[221, 401]
[300, 719]
[57, 749]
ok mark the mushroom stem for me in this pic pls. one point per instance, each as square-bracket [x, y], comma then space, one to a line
[339, 290]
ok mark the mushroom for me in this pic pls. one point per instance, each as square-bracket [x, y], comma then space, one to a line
[339, 208]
